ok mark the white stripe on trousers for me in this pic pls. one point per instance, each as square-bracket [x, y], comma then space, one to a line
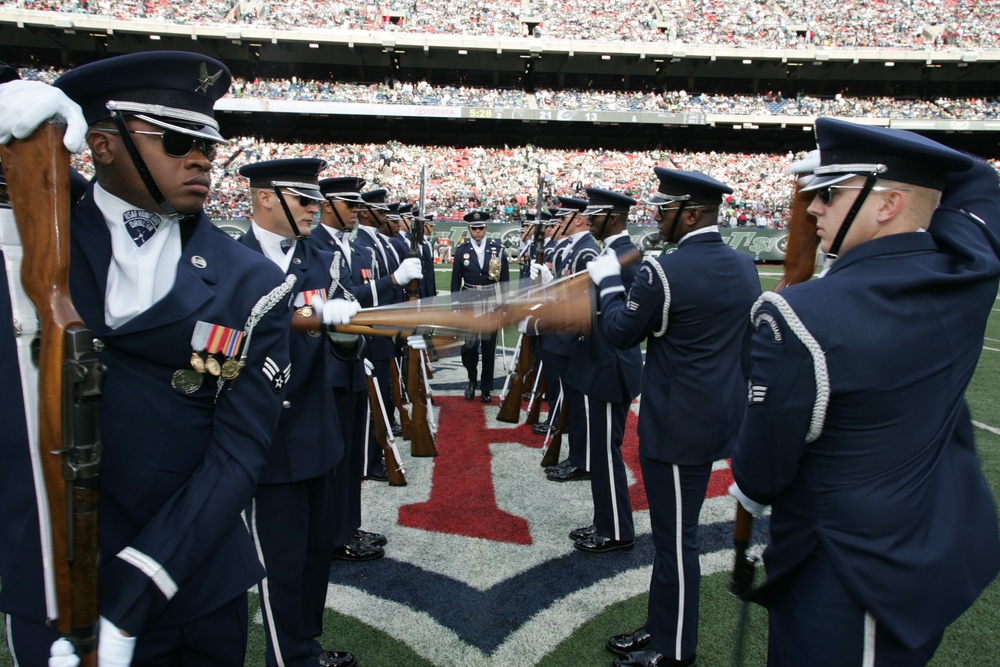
[679, 555]
[868, 656]
[265, 597]
[611, 471]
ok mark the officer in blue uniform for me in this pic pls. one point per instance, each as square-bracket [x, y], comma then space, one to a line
[426, 286]
[186, 423]
[691, 307]
[427, 256]
[600, 383]
[481, 270]
[295, 504]
[338, 218]
[883, 529]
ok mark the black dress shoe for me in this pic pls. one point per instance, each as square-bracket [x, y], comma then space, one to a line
[597, 544]
[541, 428]
[470, 390]
[358, 552]
[581, 533]
[650, 658]
[373, 539]
[487, 397]
[526, 397]
[562, 465]
[379, 474]
[397, 429]
[337, 659]
[568, 474]
[624, 644]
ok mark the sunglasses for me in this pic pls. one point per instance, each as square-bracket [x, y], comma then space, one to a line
[177, 144]
[304, 202]
[826, 194]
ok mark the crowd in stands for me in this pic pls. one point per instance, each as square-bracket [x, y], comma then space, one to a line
[920, 24]
[769, 104]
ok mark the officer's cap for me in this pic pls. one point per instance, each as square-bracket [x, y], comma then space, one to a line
[375, 199]
[476, 219]
[299, 176]
[605, 201]
[848, 149]
[406, 209]
[676, 186]
[546, 216]
[568, 205]
[429, 219]
[393, 211]
[175, 90]
[343, 188]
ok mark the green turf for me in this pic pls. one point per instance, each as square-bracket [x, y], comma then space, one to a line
[972, 640]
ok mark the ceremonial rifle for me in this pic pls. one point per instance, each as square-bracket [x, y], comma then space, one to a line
[510, 403]
[380, 422]
[421, 440]
[800, 263]
[69, 384]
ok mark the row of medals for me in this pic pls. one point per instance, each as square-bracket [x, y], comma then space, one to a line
[188, 382]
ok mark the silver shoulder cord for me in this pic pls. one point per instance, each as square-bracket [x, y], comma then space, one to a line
[262, 307]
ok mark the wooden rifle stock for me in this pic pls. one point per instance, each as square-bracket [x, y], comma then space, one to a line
[69, 378]
[551, 456]
[421, 438]
[392, 464]
[535, 404]
[397, 398]
[510, 407]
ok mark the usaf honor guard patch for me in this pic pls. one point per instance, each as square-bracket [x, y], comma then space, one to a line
[277, 377]
[141, 225]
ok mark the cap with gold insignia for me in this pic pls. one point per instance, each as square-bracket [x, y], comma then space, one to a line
[175, 90]
[476, 219]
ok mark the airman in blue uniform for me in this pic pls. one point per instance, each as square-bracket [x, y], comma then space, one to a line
[191, 328]
[482, 272]
[691, 307]
[857, 433]
[338, 218]
[294, 508]
[600, 382]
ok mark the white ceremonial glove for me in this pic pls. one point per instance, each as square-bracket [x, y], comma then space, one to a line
[113, 648]
[24, 105]
[751, 506]
[540, 269]
[409, 269]
[62, 654]
[369, 367]
[339, 311]
[416, 342]
[804, 168]
[604, 266]
[522, 326]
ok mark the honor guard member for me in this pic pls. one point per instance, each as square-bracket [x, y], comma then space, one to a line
[294, 507]
[480, 270]
[385, 280]
[393, 229]
[691, 308]
[338, 217]
[577, 247]
[189, 327]
[600, 383]
[528, 252]
[857, 434]
[552, 351]
[426, 286]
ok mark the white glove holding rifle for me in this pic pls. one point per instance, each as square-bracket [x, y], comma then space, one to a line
[339, 311]
[409, 269]
[24, 105]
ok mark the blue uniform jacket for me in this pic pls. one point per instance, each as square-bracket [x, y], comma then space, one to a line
[599, 369]
[343, 374]
[857, 432]
[375, 288]
[467, 271]
[178, 469]
[567, 262]
[308, 442]
[692, 307]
